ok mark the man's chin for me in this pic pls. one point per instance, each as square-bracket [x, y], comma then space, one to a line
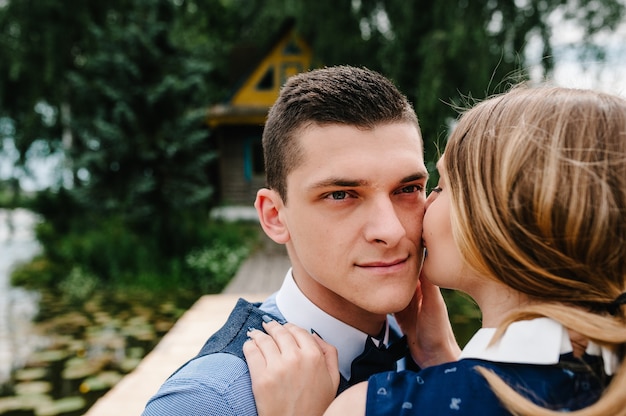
[395, 302]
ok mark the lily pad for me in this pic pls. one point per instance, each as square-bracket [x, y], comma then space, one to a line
[101, 381]
[61, 406]
[31, 373]
[32, 388]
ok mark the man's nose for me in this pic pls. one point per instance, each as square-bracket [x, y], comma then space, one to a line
[383, 223]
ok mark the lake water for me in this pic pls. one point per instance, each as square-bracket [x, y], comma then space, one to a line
[58, 356]
[18, 307]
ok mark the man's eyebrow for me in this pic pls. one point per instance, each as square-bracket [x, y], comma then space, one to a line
[354, 183]
[415, 177]
[340, 182]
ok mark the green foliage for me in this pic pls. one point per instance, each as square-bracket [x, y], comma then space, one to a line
[78, 286]
[38, 272]
[9, 194]
[39, 43]
[90, 254]
[105, 248]
[121, 88]
[214, 263]
[465, 315]
[144, 152]
[443, 54]
[214, 266]
[126, 98]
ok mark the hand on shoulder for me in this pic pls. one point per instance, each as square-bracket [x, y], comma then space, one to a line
[290, 363]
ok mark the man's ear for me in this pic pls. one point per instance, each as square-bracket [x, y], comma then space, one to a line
[268, 206]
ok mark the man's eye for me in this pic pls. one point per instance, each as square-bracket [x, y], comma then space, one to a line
[338, 195]
[411, 189]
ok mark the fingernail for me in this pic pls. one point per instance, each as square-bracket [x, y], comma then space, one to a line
[267, 318]
[250, 329]
[314, 332]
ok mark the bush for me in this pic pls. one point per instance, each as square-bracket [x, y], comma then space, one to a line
[78, 286]
[215, 265]
[39, 272]
[85, 254]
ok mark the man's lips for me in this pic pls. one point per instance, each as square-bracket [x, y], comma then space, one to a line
[390, 263]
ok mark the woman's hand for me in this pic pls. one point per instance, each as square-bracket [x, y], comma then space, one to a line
[292, 371]
[427, 326]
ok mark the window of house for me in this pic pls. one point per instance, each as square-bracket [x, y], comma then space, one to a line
[267, 81]
[292, 48]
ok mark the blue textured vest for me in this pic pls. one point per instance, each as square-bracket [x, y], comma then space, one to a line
[230, 338]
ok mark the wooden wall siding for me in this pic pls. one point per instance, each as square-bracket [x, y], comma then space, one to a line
[236, 188]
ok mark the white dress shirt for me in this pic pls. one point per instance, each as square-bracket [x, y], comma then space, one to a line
[299, 310]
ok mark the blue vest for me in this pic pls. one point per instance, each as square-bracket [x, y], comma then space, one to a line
[230, 338]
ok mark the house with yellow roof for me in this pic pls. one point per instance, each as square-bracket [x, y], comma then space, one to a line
[237, 125]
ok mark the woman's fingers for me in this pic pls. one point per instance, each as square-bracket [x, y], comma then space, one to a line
[254, 356]
[287, 336]
[288, 345]
[266, 345]
[288, 359]
[330, 358]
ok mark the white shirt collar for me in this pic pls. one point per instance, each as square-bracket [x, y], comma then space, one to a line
[299, 310]
[534, 341]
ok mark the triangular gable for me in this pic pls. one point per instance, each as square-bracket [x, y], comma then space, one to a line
[290, 56]
[249, 104]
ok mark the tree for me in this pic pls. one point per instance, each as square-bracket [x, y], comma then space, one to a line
[121, 86]
[140, 146]
[440, 53]
[126, 97]
[39, 44]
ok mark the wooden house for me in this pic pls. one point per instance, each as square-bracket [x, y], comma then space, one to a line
[237, 125]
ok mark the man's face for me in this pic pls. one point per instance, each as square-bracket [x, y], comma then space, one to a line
[354, 216]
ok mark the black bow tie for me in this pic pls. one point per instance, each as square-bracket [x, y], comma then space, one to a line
[377, 359]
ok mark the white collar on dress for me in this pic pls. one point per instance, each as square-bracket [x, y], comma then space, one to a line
[299, 310]
[534, 341]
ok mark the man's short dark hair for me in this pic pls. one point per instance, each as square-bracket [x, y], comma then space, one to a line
[334, 95]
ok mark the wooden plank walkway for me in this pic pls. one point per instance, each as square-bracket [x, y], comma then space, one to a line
[259, 275]
[263, 272]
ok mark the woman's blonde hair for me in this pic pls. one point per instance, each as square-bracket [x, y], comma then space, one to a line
[537, 178]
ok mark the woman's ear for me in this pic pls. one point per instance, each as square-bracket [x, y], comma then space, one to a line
[268, 206]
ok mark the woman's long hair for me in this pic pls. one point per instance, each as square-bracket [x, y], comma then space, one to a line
[538, 188]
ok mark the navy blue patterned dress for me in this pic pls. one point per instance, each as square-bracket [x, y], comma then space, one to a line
[458, 389]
